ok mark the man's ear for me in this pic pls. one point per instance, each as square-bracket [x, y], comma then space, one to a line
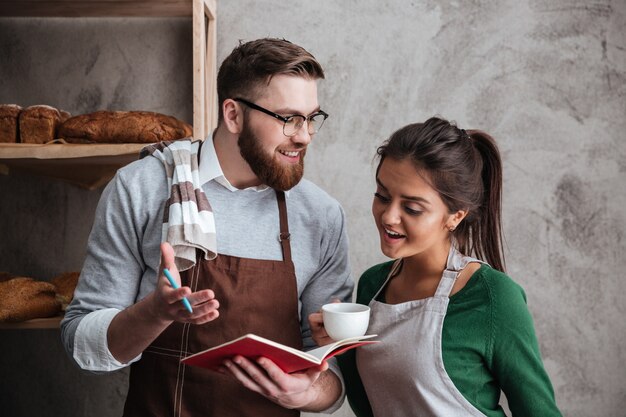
[233, 116]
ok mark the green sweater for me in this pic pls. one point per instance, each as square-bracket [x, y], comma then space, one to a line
[488, 345]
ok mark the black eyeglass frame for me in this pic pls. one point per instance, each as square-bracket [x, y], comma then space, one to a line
[286, 119]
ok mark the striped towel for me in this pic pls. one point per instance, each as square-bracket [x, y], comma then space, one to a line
[188, 222]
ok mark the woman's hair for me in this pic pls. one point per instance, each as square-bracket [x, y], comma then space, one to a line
[466, 170]
[251, 66]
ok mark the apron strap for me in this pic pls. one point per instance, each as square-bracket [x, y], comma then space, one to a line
[395, 269]
[455, 264]
[446, 283]
[283, 236]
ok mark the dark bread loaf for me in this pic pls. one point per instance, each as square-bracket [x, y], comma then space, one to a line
[9, 122]
[65, 285]
[25, 298]
[38, 124]
[123, 127]
[5, 276]
[64, 115]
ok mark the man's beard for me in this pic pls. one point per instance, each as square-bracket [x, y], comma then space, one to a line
[280, 176]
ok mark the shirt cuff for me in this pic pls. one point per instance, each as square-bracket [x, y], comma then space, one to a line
[91, 349]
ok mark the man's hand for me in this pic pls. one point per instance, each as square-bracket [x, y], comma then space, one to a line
[315, 389]
[133, 329]
[166, 303]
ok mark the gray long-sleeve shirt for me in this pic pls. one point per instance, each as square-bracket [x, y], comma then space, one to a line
[123, 250]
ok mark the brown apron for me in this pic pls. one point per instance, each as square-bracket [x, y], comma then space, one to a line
[255, 296]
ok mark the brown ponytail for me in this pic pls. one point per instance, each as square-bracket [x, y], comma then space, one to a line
[486, 232]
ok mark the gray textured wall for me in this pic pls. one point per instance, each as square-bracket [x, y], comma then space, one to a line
[547, 79]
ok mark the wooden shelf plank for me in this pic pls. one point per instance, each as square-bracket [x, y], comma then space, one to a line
[46, 323]
[66, 150]
[95, 8]
[88, 166]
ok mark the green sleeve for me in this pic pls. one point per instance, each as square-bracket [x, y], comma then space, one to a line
[516, 360]
[357, 397]
[369, 283]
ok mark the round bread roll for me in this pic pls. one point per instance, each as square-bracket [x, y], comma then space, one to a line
[24, 298]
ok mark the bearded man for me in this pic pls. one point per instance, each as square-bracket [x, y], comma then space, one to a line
[254, 247]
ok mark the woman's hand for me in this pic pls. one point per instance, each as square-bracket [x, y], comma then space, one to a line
[318, 332]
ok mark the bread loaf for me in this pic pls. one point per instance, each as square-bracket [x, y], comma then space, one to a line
[5, 276]
[65, 285]
[9, 122]
[38, 124]
[24, 299]
[123, 127]
[64, 115]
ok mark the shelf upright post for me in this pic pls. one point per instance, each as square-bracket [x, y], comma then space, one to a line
[204, 68]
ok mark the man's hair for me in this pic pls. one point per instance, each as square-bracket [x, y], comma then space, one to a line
[251, 65]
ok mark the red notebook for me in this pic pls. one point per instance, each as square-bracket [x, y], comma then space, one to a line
[286, 358]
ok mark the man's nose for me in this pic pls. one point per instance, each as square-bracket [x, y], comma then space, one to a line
[303, 136]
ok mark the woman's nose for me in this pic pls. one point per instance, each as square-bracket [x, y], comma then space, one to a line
[391, 215]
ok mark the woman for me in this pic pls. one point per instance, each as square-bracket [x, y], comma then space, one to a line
[455, 330]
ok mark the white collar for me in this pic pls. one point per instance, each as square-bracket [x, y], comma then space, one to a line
[210, 169]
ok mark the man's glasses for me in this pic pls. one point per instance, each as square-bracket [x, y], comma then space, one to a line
[292, 124]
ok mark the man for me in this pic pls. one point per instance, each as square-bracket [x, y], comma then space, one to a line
[281, 253]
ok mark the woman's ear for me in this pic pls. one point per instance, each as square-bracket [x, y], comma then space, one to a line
[455, 218]
[233, 116]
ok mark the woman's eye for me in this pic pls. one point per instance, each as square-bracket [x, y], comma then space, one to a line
[381, 197]
[412, 212]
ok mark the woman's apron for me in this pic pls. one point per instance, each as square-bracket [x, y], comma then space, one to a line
[405, 375]
[255, 296]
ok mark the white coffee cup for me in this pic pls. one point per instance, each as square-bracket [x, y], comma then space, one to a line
[344, 320]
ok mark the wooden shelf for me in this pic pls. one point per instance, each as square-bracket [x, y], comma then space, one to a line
[91, 166]
[204, 27]
[95, 8]
[85, 165]
[47, 323]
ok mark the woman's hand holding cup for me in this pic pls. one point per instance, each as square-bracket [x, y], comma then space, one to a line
[345, 320]
[316, 323]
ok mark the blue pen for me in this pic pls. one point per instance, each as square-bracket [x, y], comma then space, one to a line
[175, 285]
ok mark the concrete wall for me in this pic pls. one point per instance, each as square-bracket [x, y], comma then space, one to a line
[547, 79]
